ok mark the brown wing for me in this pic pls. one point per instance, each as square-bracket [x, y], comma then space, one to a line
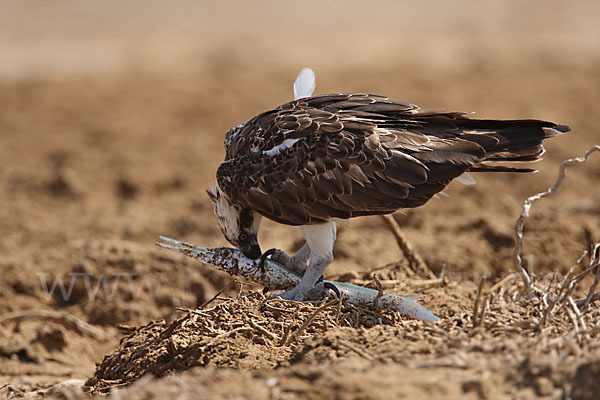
[346, 155]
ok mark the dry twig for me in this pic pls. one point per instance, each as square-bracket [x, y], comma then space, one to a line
[294, 336]
[286, 332]
[555, 298]
[216, 296]
[174, 325]
[527, 206]
[189, 310]
[414, 259]
[262, 330]
[379, 289]
[476, 305]
[594, 263]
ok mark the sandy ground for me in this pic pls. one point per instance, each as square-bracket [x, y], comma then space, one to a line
[112, 119]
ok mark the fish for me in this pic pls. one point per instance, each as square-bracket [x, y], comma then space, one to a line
[274, 275]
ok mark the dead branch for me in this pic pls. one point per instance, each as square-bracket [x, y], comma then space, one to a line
[594, 263]
[414, 259]
[567, 281]
[380, 291]
[286, 332]
[481, 319]
[577, 313]
[174, 325]
[216, 296]
[502, 283]
[476, 316]
[526, 209]
[339, 311]
[195, 312]
[273, 337]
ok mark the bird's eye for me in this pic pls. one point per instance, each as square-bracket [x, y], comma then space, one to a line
[243, 237]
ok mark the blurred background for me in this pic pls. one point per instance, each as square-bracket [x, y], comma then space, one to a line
[64, 38]
[113, 113]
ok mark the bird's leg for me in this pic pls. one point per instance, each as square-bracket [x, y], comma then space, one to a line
[319, 239]
[314, 272]
[303, 254]
[297, 262]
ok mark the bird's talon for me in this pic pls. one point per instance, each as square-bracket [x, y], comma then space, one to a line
[331, 286]
[264, 257]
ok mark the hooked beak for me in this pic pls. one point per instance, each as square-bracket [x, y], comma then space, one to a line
[252, 251]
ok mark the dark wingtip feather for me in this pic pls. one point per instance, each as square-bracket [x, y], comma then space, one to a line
[555, 130]
[499, 168]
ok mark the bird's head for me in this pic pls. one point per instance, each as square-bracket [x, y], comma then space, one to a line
[239, 225]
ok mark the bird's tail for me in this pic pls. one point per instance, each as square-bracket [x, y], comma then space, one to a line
[510, 141]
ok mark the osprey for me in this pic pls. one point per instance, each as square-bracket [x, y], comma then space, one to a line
[320, 159]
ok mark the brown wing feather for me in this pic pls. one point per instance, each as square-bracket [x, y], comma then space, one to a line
[346, 155]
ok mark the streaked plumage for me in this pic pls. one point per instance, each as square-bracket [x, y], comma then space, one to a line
[319, 159]
[348, 155]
